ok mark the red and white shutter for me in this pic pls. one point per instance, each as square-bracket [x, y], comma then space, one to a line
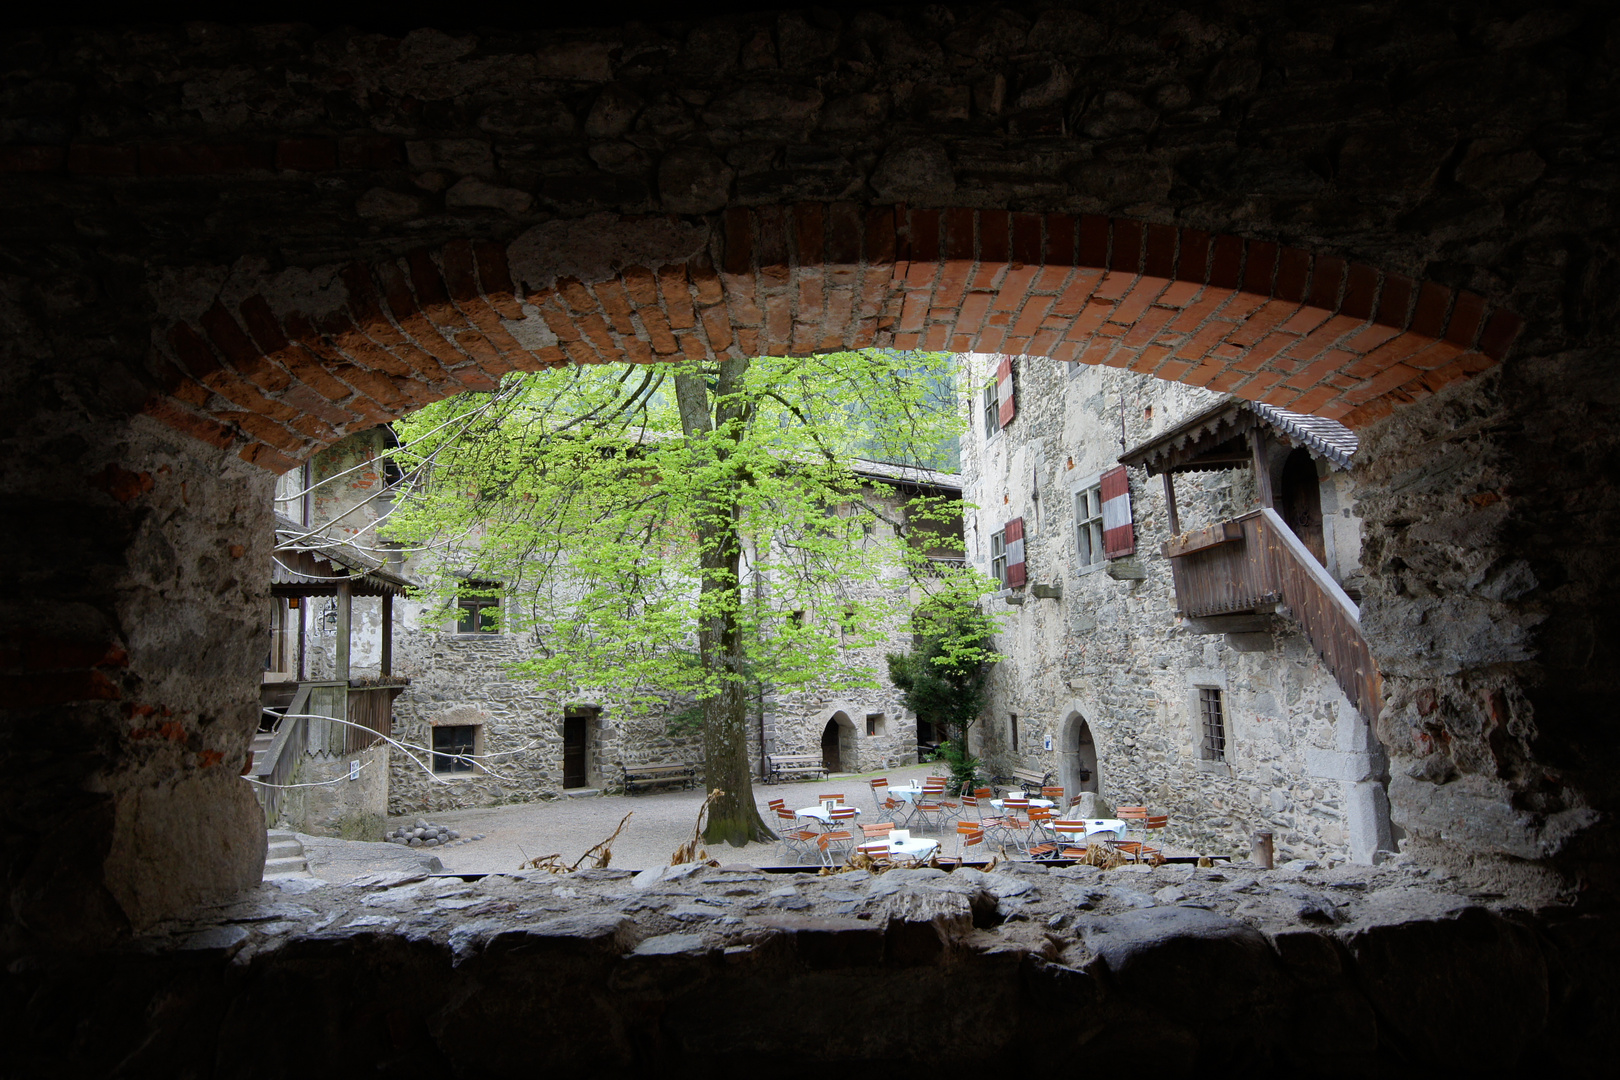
[1119, 533]
[1004, 391]
[1014, 538]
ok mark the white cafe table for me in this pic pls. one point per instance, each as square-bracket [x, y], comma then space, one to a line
[917, 847]
[1095, 826]
[1044, 804]
[820, 813]
[910, 794]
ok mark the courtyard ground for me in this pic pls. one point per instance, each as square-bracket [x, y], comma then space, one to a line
[661, 822]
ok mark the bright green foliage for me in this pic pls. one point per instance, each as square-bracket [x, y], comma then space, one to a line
[942, 678]
[655, 529]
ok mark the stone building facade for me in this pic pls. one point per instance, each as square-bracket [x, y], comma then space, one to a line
[1105, 686]
[534, 744]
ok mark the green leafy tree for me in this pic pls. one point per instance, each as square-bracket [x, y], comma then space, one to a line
[942, 678]
[680, 533]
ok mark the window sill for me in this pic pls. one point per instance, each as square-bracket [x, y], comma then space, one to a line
[1215, 768]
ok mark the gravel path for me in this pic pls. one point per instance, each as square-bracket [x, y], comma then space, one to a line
[662, 821]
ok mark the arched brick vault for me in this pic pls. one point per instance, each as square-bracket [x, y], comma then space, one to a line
[1267, 322]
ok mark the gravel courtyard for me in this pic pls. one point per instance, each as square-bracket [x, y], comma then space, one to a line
[662, 821]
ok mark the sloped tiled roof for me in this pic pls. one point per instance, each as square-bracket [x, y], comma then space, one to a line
[1209, 435]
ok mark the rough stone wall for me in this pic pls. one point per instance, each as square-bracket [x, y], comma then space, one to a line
[1347, 972]
[1490, 525]
[152, 174]
[353, 809]
[134, 634]
[1300, 761]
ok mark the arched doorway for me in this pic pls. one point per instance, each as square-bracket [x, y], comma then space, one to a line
[1079, 757]
[1300, 501]
[832, 751]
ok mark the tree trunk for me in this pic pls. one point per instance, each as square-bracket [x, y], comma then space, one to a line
[733, 817]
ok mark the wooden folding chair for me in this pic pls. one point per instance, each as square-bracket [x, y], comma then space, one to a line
[877, 850]
[1068, 841]
[830, 798]
[878, 831]
[899, 809]
[968, 834]
[880, 791]
[1139, 850]
[793, 836]
[777, 804]
[833, 844]
[843, 817]
[1053, 793]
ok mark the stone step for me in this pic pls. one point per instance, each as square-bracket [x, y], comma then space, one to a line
[285, 849]
[280, 867]
[277, 835]
[582, 792]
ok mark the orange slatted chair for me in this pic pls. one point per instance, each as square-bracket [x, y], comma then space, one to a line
[793, 836]
[877, 831]
[834, 798]
[880, 791]
[833, 844]
[843, 816]
[1140, 850]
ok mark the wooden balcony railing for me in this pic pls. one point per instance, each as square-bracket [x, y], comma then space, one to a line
[1256, 562]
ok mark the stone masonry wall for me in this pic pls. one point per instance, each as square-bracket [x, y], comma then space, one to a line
[1300, 762]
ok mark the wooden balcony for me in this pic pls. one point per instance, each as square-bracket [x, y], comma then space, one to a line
[1254, 564]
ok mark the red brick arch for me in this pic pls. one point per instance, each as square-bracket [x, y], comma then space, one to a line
[1268, 322]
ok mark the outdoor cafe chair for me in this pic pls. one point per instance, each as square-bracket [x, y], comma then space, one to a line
[830, 798]
[842, 817]
[834, 844]
[1140, 850]
[899, 809]
[877, 850]
[793, 836]
[1053, 793]
[931, 814]
[969, 835]
[878, 830]
[880, 791]
[1068, 839]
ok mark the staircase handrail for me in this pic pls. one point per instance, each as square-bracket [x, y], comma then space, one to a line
[1346, 654]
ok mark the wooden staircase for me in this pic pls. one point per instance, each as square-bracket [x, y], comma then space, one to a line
[1254, 564]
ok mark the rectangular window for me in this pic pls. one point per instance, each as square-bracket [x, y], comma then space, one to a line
[478, 607]
[874, 723]
[1088, 525]
[1214, 724]
[1012, 730]
[453, 740]
[998, 557]
[992, 410]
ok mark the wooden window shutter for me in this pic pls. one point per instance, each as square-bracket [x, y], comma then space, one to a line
[1119, 533]
[1014, 536]
[1004, 391]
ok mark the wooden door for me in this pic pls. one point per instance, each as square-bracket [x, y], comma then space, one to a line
[1301, 502]
[574, 751]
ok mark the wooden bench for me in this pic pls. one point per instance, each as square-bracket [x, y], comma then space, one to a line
[1028, 780]
[783, 765]
[642, 776]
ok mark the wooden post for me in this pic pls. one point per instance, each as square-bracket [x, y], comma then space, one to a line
[345, 612]
[1170, 504]
[388, 633]
[303, 610]
[1262, 471]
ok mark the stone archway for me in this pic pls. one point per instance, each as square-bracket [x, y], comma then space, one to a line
[283, 370]
[838, 752]
[1079, 767]
[410, 217]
